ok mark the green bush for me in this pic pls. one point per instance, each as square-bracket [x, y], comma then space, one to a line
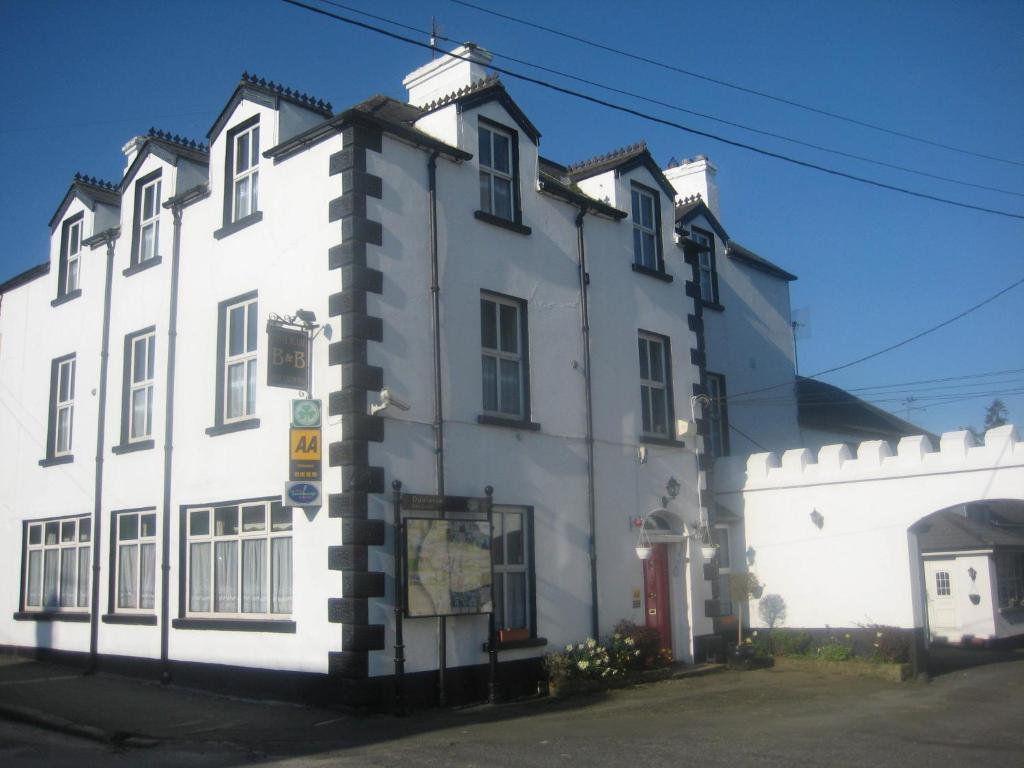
[645, 640]
[892, 645]
[789, 642]
[836, 649]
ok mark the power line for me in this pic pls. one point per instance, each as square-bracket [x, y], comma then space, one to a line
[879, 396]
[685, 110]
[736, 87]
[891, 347]
[662, 121]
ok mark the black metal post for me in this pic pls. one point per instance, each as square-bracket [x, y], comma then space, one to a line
[492, 632]
[399, 702]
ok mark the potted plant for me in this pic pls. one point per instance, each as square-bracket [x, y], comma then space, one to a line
[742, 587]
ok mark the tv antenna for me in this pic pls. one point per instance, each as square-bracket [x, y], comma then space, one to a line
[800, 321]
[436, 31]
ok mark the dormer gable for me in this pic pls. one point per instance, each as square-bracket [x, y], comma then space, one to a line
[694, 209]
[170, 148]
[92, 192]
[484, 91]
[622, 161]
[297, 111]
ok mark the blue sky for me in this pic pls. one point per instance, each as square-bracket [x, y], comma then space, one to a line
[874, 266]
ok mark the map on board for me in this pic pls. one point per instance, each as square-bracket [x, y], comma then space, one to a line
[448, 567]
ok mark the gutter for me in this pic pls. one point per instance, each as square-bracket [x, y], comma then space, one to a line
[108, 237]
[584, 279]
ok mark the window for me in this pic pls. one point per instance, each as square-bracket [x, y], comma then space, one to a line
[720, 536]
[717, 416]
[706, 264]
[146, 241]
[237, 322]
[646, 236]
[655, 385]
[135, 565]
[240, 559]
[503, 342]
[60, 425]
[244, 163]
[942, 583]
[497, 172]
[511, 550]
[69, 272]
[1010, 580]
[140, 362]
[57, 562]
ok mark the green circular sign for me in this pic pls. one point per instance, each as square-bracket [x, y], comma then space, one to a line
[306, 413]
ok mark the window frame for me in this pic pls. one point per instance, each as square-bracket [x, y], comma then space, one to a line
[707, 265]
[79, 544]
[142, 223]
[648, 384]
[232, 176]
[248, 420]
[116, 544]
[639, 191]
[498, 354]
[211, 538]
[512, 175]
[56, 406]
[129, 386]
[717, 415]
[527, 567]
[72, 234]
[1009, 567]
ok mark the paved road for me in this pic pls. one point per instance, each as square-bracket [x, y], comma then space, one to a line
[764, 718]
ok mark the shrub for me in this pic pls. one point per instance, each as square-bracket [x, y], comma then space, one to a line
[790, 642]
[836, 649]
[588, 660]
[892, 645]
[647, 641]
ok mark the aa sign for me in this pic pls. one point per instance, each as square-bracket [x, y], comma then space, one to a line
[305, 444]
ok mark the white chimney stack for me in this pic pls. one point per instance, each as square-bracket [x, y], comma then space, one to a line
[696, 176]
[447, 74]
[131, 149]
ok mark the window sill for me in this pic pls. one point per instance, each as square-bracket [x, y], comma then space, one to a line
[64, 298]
[530, 642]
[141, 445]
[81, 618]
[657, 274]
[512, 226]
[237, 625]
[712, 305]
[234, 226]
[141, 266]
[665, 441]
[501, 421]
[147, 619]
[52, 461]
[234, 426]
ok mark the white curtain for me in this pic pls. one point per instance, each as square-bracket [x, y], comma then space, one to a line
[35, 562]
[51, 567]
[127, 576]
[84, 559]
[147, 568]
[68, 572]
[281, 575]
[199, 578]
[254, 577]
[226, 577]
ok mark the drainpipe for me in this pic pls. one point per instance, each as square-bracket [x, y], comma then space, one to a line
[589, 405]
[108, 237]
[435, 322]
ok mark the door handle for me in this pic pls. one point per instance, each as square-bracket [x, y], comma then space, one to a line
[652, 611]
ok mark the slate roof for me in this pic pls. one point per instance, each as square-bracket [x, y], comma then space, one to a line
[827, 407]
[744, 255]
[97, 189]
[27, 276]
[480, 85]
[606, 162]
[952, 531]
[173, 143]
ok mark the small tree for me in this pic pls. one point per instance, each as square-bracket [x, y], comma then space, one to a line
[772, 610]
[996, 414]
[742, 586]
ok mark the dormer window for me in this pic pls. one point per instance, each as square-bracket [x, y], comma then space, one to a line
[497, 179]
[245, 172]
[72, 242]
[149, 220]
[646, 215]
[706, 262]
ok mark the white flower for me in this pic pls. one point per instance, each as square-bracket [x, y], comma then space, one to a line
[579, 647]
[591, 643]
[568, 647]
[582, 664]
[630, 641]
[878, 634]
[636, 653]
[755, 633]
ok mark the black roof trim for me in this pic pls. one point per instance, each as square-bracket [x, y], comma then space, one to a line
[250, 85]
[177, 145]
[622, 160]
[827, 407]
[745, 256]
[485, 90]
[27, 276]
[691, 207]
[556, 188]
[98, 190]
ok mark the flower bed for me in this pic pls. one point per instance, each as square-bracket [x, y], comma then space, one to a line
[877, 651]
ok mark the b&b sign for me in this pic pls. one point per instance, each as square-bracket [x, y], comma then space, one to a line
[288, 363]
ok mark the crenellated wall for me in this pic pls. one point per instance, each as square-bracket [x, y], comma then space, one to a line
[832, 536]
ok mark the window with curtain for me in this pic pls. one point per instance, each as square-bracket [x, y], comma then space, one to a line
[64, 406]
[645, 229]
[706, 264]
[58, 556]
[240, 559]
[240, 361]
[513, 562]
[497, 172]
[140, 387]
[135, 560]
[503, 356]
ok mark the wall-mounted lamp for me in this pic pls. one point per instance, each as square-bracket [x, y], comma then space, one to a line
[672, 489]
[307, 316]
[817, 519]
[972, 573]
[641, 454]
[751, 555]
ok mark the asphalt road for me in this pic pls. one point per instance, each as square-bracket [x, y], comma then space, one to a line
[764, 718]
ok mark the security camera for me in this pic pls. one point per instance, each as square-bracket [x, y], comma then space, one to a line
[387, 399]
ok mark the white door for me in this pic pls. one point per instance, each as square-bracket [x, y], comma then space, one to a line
[942, 623]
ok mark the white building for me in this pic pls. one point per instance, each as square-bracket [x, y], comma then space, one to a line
[144, 456]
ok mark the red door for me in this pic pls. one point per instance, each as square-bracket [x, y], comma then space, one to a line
[656, 593]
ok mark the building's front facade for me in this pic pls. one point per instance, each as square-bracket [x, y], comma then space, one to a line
[145, 456]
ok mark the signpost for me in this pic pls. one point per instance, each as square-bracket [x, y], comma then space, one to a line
[305, 455]
[288, 361]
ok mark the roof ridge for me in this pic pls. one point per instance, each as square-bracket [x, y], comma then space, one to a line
[92, 181]
[484, 82]
[615, 154]
[694, 198]
[173, 138]
[291, 93]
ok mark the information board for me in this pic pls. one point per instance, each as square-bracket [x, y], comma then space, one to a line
[448, 567]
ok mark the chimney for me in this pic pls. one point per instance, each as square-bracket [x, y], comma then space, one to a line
[447, 74]
[696, 176]
[131, 149]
